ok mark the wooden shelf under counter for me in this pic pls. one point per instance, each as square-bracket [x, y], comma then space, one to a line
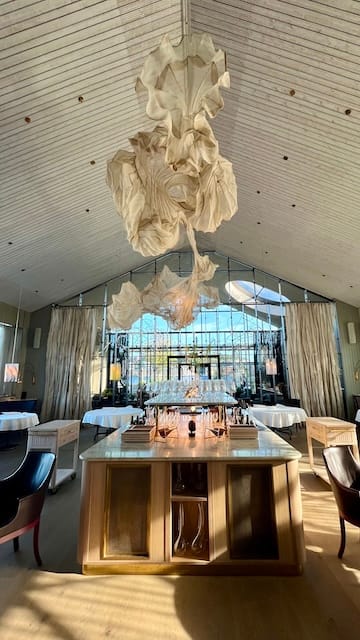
[246, 519]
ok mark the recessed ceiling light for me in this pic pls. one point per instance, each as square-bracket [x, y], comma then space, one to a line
[92, 161]
[292, 92]
[347, 112]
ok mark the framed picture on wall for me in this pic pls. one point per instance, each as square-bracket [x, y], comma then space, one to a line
[11, 372]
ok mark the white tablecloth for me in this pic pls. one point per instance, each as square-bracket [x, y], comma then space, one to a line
[278, 416]
[111, 417]
[16, 420]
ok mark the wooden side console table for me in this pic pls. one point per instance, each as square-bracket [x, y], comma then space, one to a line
[52, 436]
[330, 431]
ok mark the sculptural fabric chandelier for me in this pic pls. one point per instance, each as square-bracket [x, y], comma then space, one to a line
[174, 178]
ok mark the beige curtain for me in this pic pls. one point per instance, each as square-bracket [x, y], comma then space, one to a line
[312, 358]
[70, 347]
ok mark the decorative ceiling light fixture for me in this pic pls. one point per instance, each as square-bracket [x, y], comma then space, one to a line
[175, 177]
[177, 300]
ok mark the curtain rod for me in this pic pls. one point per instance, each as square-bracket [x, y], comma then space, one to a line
[78, 306]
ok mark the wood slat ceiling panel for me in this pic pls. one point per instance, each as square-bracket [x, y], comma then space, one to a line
[58, 212]
[313, 49]
[294, 72]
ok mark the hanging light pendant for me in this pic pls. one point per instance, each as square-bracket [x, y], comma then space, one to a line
[175, 178]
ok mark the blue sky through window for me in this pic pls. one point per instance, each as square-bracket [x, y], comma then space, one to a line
[223, 318]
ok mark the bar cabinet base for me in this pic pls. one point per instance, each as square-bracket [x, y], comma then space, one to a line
[194, 507]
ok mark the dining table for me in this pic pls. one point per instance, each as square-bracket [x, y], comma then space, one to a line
[111, 418]
[277, 416]
[17, 420]
[14, 421]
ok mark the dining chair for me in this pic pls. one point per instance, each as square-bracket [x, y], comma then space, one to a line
[344, 476]
[22, 496]
[356, 400]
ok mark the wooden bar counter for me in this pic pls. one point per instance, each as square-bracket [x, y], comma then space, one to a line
[202, 506]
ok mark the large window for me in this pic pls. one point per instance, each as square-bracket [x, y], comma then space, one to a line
[226, 342]
[245, 333]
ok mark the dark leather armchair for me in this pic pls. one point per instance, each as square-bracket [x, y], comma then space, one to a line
[344, 476]
[22, 496]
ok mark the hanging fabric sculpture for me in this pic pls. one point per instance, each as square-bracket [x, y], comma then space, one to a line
[174, 178]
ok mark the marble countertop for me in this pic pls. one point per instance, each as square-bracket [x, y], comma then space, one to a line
[267, 447]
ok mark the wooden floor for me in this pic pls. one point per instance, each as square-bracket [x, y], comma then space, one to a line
[57, 602]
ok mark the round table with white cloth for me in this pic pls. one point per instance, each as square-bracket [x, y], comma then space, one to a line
[17, 420]
[111, 417]
[278, 416]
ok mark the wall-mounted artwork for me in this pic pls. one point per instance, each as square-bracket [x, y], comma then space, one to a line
[11, 372]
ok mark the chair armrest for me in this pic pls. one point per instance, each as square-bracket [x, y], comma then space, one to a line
[29, 509]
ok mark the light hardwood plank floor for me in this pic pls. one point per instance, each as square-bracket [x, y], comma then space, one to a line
[57, 602]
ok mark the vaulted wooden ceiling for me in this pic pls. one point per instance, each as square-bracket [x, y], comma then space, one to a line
[290, 126]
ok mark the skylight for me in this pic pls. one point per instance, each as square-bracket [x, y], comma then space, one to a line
[251, 294]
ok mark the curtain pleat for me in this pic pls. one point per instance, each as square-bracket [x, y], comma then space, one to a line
[312, 358]
[70, 348]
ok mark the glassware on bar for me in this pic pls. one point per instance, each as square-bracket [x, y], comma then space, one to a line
[179, 485]
[199, 542]
[180, 544]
